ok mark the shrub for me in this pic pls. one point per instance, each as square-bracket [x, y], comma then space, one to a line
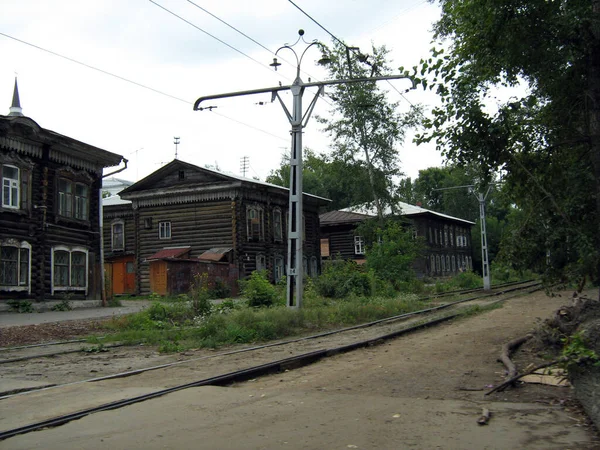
[258, 290]
[200, 296]
[341, 279]
[21, 306]
[220, 290]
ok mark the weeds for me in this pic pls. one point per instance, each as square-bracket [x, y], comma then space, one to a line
[20, 306]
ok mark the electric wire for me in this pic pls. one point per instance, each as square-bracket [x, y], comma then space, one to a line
[135, 83]
[343, 43]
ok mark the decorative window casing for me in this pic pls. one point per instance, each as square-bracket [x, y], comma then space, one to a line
[359, 245]
[118, 235]
[73, 199]
[261, 262]
[164, 230]
[15, 183]
[15, 265]
[432, 264]
[278, 268]
[69, 269]
[447, 263]
[314, 267]
[277, 225]
[255, 223]
[453, 263]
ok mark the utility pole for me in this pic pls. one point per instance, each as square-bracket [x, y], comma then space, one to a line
[298, 120]
[481, 198]
[244, 163]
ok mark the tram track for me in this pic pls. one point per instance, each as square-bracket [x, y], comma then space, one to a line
[379, 331]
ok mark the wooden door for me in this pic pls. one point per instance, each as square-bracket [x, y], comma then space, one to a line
[158, 277]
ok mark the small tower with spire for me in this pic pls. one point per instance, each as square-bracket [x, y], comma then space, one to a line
[15, 108]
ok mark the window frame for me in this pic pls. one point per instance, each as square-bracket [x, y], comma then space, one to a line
[257, 222]
[277, 225]
[165, 230]
[359, 245]
[19, 246]
[71, 205]
[278, 268]
[14, 184]
[82, 268]
[114, 224]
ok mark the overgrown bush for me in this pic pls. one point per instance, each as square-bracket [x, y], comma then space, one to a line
[464, 280]
[258, 290]
[341, 279]
[220, 290]
[200, 295]
[20, 306]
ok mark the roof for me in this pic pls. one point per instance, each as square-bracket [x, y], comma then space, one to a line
[340, 217]
[169, 252]
[149, 181]
[215, 254]
[406, 210]
[114, 200]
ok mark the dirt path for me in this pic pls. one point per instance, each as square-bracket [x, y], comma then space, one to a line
[421, 391]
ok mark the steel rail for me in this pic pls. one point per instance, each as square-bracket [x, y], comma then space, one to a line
[273, 344]
[236, 376]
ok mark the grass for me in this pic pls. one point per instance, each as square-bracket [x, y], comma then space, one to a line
[175, 327]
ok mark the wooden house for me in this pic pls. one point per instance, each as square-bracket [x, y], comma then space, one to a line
[448, 248]
[50, 227]
[183, 212]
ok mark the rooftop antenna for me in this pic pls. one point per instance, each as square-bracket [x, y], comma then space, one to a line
[244, 163]
[176, 142]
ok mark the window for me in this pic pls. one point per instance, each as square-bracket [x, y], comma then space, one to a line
[451, 237]
[432, 264]
[181, 175]
[277, 225]
[148, 223]
[278, 268]
[10, 187]
[445, 235]
[15, 263]
[359, 245]
[254, 223]
[447, 263]
[437, 263]
[314, 268]
[453, 263]
[118, 235]
[164, 230]
[443, 264]
[73, 199]
[261, 262]
[69, 268]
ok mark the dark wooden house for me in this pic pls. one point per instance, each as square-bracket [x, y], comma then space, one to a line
[204, 216]
[448, 239]
[50, 240]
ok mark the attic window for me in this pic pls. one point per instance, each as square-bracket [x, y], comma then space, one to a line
[181, 175]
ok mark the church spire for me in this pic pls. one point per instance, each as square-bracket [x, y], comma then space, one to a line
[15, 108]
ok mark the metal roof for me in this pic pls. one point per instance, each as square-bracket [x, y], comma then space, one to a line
[406, 210]
[169, 252]
[339, 217]
[215, 254]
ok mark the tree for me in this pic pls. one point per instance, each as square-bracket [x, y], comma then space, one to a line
[366, 127]
[341, 182]
[545, 139]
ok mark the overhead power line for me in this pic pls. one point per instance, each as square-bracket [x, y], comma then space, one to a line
[135, 83]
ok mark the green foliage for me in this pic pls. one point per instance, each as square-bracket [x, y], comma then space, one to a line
[200, 295]
[114, 302]
[220, 290]
[366, 127]
[258, 290]
[63, 305]
[391, 250]
[464, 280]
[541, 136]
[20, 306]
[342, 278]
[576, 353]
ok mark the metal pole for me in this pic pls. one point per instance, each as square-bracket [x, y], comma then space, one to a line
[295, 260]
[485, 266]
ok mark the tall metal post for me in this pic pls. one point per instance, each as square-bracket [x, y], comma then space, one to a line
[298, 120]
[294, 257]
[485, 265]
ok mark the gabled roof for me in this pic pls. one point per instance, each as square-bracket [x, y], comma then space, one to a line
[342, 217]
[213, 179]
[406, 210]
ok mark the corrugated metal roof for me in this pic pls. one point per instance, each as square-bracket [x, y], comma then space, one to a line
[114, 200]
[406, 210]
[339, 217]
[215, 254]
[169, 252]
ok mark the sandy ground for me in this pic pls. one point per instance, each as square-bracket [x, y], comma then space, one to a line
[425, 390]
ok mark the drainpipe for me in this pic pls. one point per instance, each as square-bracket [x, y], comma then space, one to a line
[101, 222]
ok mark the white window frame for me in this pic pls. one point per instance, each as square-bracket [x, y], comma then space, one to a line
[112, 235]
[164, 229]
[261, 262]
[19, 246]
[13, 187]
[72, 205]
[359, 245]
[70, 288]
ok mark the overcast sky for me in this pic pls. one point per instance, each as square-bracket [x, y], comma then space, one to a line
[144, 43]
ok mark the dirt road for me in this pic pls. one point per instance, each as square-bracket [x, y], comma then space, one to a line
[423, 391]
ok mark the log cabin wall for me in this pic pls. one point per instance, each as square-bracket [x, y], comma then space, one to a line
[34, 233]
